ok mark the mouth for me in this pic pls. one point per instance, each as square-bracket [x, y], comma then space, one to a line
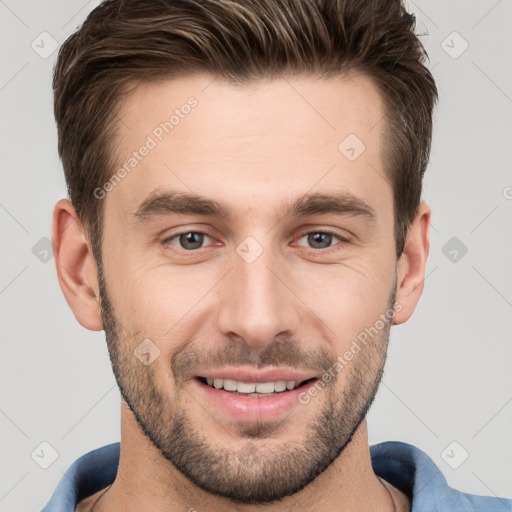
[254, 389]
[249, 396]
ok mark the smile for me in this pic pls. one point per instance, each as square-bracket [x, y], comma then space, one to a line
[251, 395]
[253, 389]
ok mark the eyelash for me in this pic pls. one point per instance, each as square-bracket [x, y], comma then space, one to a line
[169, 246]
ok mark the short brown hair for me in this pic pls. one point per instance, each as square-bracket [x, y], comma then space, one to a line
[124, 42]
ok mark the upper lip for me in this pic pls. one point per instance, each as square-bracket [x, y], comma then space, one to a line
[256, 376]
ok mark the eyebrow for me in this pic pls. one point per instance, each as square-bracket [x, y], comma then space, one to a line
[162, 203]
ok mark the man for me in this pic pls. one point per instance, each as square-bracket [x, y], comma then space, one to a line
[245, 223]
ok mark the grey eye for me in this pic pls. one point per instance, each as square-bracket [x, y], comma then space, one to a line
[319, 239]
[190, 241]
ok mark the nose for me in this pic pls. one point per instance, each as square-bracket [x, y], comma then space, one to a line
[257, 302]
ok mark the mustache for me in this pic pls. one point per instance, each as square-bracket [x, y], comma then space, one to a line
[278, 353]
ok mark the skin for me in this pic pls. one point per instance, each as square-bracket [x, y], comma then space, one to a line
[251, 147]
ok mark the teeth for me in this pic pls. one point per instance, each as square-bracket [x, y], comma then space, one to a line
[263, 388]
[244, 387]
[280, 385]
[230, 385]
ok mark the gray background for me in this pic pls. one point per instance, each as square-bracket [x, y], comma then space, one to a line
[448, 375]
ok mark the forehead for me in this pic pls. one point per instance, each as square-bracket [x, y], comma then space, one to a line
[275, 138]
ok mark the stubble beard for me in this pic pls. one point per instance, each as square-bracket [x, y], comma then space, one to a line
[251, 474]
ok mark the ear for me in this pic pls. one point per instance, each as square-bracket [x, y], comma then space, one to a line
[411, 266]
[76, 267]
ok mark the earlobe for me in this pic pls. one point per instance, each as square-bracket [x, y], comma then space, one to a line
[76, 268]
[411, 266]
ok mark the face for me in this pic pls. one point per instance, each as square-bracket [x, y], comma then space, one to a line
[243, 255]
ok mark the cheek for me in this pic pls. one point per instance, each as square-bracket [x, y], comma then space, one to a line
[164, 302]
[347, 299]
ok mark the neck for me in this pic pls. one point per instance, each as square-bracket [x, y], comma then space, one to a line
[146, 481]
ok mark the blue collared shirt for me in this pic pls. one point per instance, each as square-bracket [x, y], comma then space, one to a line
[402, 465]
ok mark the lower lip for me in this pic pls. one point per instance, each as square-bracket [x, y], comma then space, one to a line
[249, 408]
